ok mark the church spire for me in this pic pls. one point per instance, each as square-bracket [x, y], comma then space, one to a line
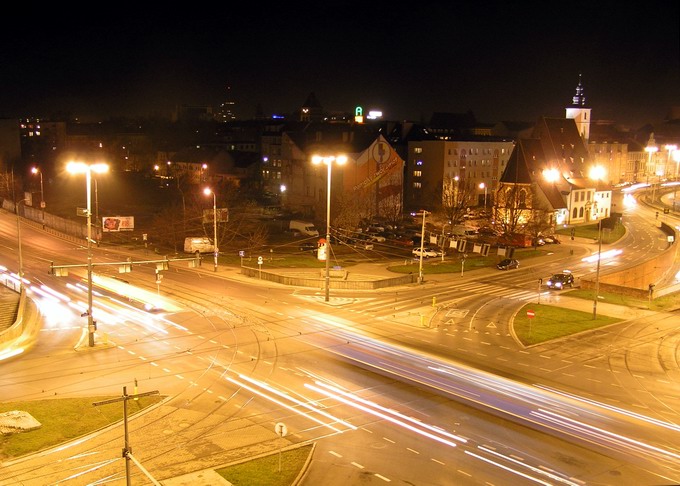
[579, 98]
[579, 112]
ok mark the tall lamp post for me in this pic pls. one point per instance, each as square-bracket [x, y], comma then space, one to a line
[671, 148]
[483, 186]
[87, 169]
[207, 191]
[35, 170]
[21, 259]
[329, 161]
[650, 149]
[597, 173]
[422, 248]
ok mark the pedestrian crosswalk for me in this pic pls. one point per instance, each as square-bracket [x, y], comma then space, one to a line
[404, 301]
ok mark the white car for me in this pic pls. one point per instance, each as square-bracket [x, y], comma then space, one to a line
[427, 252]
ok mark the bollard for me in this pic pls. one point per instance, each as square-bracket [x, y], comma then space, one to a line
[434, 301]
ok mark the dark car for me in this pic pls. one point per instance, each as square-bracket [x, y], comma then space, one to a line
[507, 264]
[560, 280]
[307, 246]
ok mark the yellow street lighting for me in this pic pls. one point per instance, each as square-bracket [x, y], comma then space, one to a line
[329, 161]
[35, 170]
[87, 169]
[207, 191]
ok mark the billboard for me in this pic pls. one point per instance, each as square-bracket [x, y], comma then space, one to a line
[222, 215]
[111, 224]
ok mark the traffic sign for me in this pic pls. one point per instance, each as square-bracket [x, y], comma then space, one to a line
[281, 429]
[259, 260]
[531, 314]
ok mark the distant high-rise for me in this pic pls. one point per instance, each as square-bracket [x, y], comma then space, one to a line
[579, 112]
[226, 111]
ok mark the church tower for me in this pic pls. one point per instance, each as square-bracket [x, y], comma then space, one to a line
[579, 112]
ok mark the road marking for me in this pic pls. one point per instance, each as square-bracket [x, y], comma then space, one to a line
[388, 440]
[438, 462]
[335, 453]
[411, 450]
[382, 477]
[356, 464]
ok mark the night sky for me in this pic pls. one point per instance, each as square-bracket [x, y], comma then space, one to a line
[501, 60]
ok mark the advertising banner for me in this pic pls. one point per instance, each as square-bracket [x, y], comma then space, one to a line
[111, 224]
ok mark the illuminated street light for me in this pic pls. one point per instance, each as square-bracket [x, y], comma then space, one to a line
[329, 161]
[650, 149]
[483, 186]
[35, 170]
[596, 173]
[551, 175]
[87, 169]
[21, 259]
[422, 247]
[207, 191]
[671, 148]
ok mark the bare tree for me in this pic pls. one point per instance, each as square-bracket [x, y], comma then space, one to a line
[513, 207]
[457, 196]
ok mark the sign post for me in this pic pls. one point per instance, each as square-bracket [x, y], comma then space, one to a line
[281, 430]
[530, 315]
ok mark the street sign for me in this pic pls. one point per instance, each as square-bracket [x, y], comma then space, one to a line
[531, 314]
[259, 260]
[281, 429]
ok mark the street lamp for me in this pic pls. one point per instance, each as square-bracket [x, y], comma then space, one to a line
[21, 259]
[207, 191]
[671, 148]
[422, 248]
[483, 186]
[35, 170]
[597, 173]
[650, 149]
[328, 160]
[87, 169]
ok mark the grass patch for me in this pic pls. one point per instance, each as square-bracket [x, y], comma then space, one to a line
[453, 263]
[551, 322]
[591, 232]
[265, 470]
[64, 419]
[668, 302]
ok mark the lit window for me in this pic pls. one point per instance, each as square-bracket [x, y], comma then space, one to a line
[419, 162]
[417, 185]
[417, 173]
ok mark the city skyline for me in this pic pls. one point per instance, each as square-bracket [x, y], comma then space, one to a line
[502, 62]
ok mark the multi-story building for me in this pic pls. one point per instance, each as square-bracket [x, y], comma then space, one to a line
[473, 165]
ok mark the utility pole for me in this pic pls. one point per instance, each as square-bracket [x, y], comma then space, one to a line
[127, 450]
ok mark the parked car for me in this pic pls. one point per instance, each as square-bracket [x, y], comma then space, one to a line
[553, 240]
[508, 264]
[308, 246]
[561, 280]
[427, 252]
[362, 245]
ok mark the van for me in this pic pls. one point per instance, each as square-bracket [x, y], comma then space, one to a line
[304, 227]
[198, 244]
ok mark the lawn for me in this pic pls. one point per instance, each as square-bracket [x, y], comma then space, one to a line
[64, 419]
[551, 322]
[278, 469]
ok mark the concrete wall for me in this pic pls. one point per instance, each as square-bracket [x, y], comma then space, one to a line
[320, 283]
